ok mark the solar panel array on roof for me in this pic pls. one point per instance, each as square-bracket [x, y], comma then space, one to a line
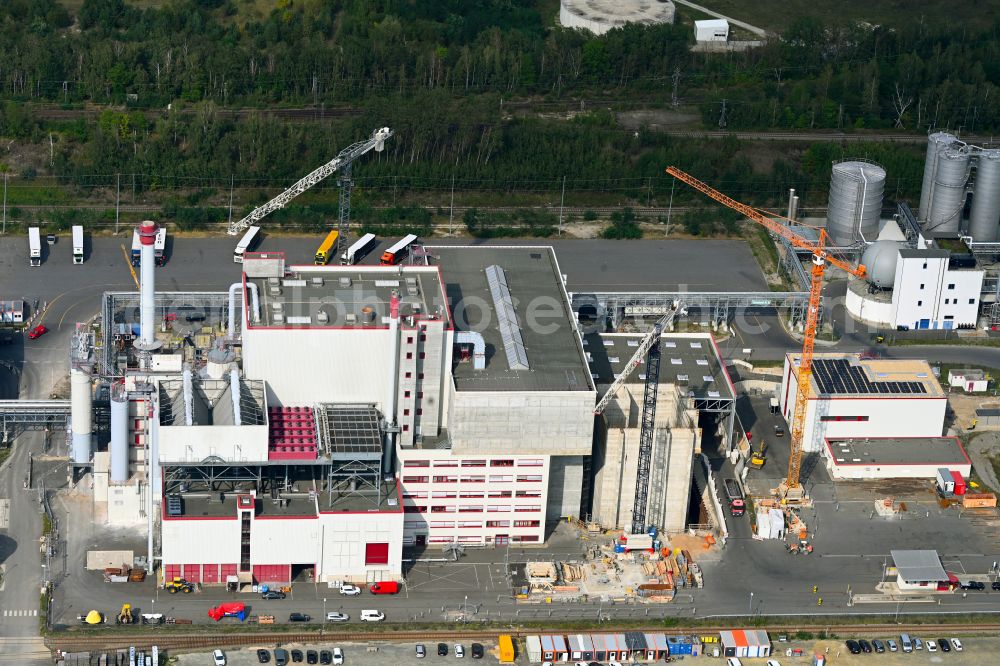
[510, 332]
[838, 376]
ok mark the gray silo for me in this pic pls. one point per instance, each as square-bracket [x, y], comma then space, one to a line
[855, 201]
[985, 214]
[936, 143]
[948, 194]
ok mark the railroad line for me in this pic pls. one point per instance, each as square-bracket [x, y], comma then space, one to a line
[122, 640]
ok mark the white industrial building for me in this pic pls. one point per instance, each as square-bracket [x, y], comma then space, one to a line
[968, 379]
[910, 288]
[711, 30]
[854, 398]
[343, 412]
[895, 457]
[693, 389]
[600, 16]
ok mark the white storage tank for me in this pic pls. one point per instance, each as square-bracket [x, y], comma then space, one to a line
[985, 214]
[119, 435]
[855, 204]
[81, 412]
[936, 144]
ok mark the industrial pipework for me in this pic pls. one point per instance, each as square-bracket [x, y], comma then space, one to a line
[254, 299]
[390, 393]
[475, 339]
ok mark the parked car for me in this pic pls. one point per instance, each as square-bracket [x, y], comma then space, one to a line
[459, 650]
[299, 617]
[442, 649]
[372, 616]
[280, 657]
[338, 656]
[220, 657]
[957, 644]
[866, 647]
[421, 651]
[995, 585]
[297, 656]
[931, 645]
[50, 239]
[477, 651]
[734, 661]
[312, 657]
[37, 332]
[779, 431]
[263, 656]
[334, 616]
[325, 657]
[853, 647]
[918, 644]
[891, 644]
[194, 317]
[878, 645]
[273, 594]
[973, 585]
[350, 590]
[944, 644]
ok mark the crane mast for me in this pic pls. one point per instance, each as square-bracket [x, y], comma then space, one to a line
[341, 162]
[792, 489]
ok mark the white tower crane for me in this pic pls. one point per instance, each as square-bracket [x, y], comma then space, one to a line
[342, 161]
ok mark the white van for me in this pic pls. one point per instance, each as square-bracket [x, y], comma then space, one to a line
[372, 616]
[906, 643]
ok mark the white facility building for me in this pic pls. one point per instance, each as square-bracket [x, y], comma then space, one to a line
[915, 289]
[855, 398]
[895, 457]
[968, 379]
[711, 30]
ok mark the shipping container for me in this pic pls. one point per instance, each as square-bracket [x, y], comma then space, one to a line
[505, 649]
[534, 647]
[945, 481]
[959, 483]
[979, 500]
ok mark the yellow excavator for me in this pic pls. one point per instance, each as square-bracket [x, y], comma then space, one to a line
[179, 585]
[758, 456]
[125, 614]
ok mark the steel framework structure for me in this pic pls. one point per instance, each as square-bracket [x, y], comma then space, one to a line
[343, 158]
[16, 415]
[646, 434]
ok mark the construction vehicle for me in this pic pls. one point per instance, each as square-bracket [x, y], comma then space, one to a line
[758, 456]
[342, 162]
[790, 490]
[649, 347]
[125, 615]
[179, 585]
[737, 503]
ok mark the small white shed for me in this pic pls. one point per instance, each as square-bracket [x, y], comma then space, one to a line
[713, 30]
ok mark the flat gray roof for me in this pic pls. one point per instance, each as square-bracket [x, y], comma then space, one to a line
[687, 360]
[339, 296]
[918, 565]
[898, 451]
[542, 311]
[197, 505]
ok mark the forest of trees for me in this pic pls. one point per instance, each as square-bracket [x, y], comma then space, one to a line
[440, 74]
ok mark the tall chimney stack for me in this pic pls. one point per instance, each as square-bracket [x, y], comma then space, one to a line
[147, 288]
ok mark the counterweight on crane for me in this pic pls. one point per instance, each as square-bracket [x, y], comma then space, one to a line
[791, 487]
[650, 348]
[341, 162]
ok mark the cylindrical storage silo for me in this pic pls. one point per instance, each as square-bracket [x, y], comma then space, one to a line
[119, 436]
[948, 198]
[936, 143]
[985, 214]
[81, 411]
[855, 202]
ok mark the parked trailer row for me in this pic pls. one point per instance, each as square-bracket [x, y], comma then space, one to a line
[634, 646]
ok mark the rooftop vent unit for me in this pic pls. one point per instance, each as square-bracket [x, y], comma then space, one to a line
[316, 282]
[345, 282]
[510, 331]
[367, 314]
[351, 319]
[294, 283]
[322, 317]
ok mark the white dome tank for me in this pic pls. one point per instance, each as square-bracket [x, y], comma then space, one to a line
[879, 259]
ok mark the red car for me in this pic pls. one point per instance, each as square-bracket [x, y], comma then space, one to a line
[37, 332]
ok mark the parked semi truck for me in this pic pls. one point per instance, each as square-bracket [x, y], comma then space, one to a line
[737, 503]
[34, 246]
[77, 244]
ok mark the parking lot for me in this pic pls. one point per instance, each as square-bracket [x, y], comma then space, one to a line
[976, 651]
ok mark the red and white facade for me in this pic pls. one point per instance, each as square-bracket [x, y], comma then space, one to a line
[489, 500]
[870, 415]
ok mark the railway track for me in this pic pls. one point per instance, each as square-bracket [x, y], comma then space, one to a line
[171, 641]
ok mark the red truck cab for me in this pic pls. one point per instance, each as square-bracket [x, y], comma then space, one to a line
[737, 507]
[386, 587]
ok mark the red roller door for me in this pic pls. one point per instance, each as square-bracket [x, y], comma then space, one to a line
[192, 573]
[376, 553]
[171, 571]
[210, 573]
[272, 573]
[227, 570]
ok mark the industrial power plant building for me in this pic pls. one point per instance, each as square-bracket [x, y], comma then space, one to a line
[856, 398]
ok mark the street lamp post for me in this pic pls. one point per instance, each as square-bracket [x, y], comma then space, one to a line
[324, 613]
[750, 610]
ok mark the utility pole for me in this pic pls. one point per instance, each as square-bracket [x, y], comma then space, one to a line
[676, 79]
[4, 203]
[231, 181]
[670, 207]
[562, 201]
[451, 211]
[118, 191]
[722, 116]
